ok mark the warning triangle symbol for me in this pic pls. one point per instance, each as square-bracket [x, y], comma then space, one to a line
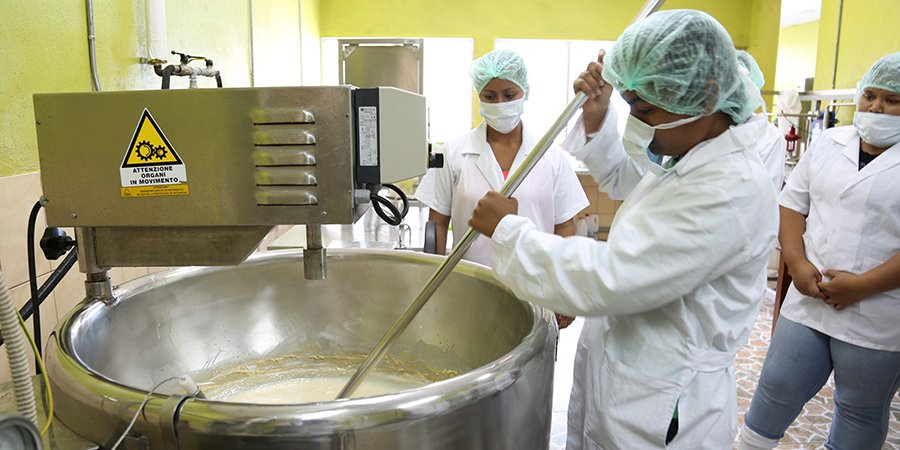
[149, 145]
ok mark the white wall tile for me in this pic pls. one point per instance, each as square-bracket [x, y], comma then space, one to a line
[21, 294]
[120, 275]
[69, 292]
[18, 195]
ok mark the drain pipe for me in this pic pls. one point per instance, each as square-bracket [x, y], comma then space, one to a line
[16, 353]
[157, 46]
[92, 48]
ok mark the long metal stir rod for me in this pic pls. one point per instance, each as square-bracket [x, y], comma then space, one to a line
[459, 250]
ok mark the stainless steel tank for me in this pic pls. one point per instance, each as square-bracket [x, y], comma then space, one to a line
[105, 358]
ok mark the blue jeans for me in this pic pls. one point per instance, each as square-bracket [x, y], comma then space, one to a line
[798, 364]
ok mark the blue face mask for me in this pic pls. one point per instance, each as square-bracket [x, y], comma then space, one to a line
[637, 138]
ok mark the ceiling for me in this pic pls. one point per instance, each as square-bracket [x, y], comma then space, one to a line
[795, 12]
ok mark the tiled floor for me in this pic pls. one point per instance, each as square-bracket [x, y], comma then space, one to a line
[809, 431]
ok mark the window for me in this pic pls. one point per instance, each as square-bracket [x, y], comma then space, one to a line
[445, 82]
[553, 66]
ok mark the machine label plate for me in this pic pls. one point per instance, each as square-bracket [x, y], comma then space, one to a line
[151, 167]
[368, 135]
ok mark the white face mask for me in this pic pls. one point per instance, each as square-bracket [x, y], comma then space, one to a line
[880, 130]
[638, 136]
[505, 116]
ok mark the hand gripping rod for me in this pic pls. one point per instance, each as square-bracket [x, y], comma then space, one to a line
[459, 250]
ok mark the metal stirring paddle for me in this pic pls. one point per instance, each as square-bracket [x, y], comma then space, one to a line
[459, 250]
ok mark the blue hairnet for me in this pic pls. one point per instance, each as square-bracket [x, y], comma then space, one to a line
[884, 74]
[753, 71]
[505, 64]
[682, 61]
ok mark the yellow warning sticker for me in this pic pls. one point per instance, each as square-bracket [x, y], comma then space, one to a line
[151, 167]
[155, 191]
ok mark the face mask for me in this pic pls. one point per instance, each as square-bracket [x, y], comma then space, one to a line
[638, 136]
[505, 116]
[880, 130]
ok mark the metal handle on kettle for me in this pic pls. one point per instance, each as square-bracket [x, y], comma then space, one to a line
[460, 249]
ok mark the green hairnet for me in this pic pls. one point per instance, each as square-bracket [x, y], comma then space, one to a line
[884, 74]
[682, 61]
[753, 71]
[505, 64]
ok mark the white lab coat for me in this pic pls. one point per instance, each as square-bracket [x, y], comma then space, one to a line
[549, 195]
[853, 225]
[771, 146]
[772, 150]
[669, 299]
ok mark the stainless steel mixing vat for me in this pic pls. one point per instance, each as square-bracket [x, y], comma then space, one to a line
[105, 358]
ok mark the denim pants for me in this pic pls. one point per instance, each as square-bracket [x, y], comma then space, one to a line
[798, 364]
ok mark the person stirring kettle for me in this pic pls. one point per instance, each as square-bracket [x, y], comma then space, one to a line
[672, 295]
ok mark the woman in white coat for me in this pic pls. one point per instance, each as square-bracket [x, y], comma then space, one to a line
[840, 238]
[481, 160]
[672, 295]
[772, 145]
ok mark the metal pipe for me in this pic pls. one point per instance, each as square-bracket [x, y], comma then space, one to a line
[155, 23]
[92, 48]
[831, 111]
[97, 286]
[837, 44]
[459, 250]
[781, 114]
[314, 254]
[649, 8]
[250, 45]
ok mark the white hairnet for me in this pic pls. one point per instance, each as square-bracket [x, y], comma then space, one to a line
[504, 64]
[684, 62]
[753, 71]
[884, 74]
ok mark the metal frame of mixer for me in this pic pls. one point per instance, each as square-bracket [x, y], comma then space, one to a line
[255, 158]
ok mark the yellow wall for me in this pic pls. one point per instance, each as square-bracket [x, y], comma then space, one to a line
[543, 19]
[33, 64]
[763, 44]
[868, 32]
[44, 49]
[276, 43]
[309, 41]
[753, 24]
[485, 21]
[797, 47]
